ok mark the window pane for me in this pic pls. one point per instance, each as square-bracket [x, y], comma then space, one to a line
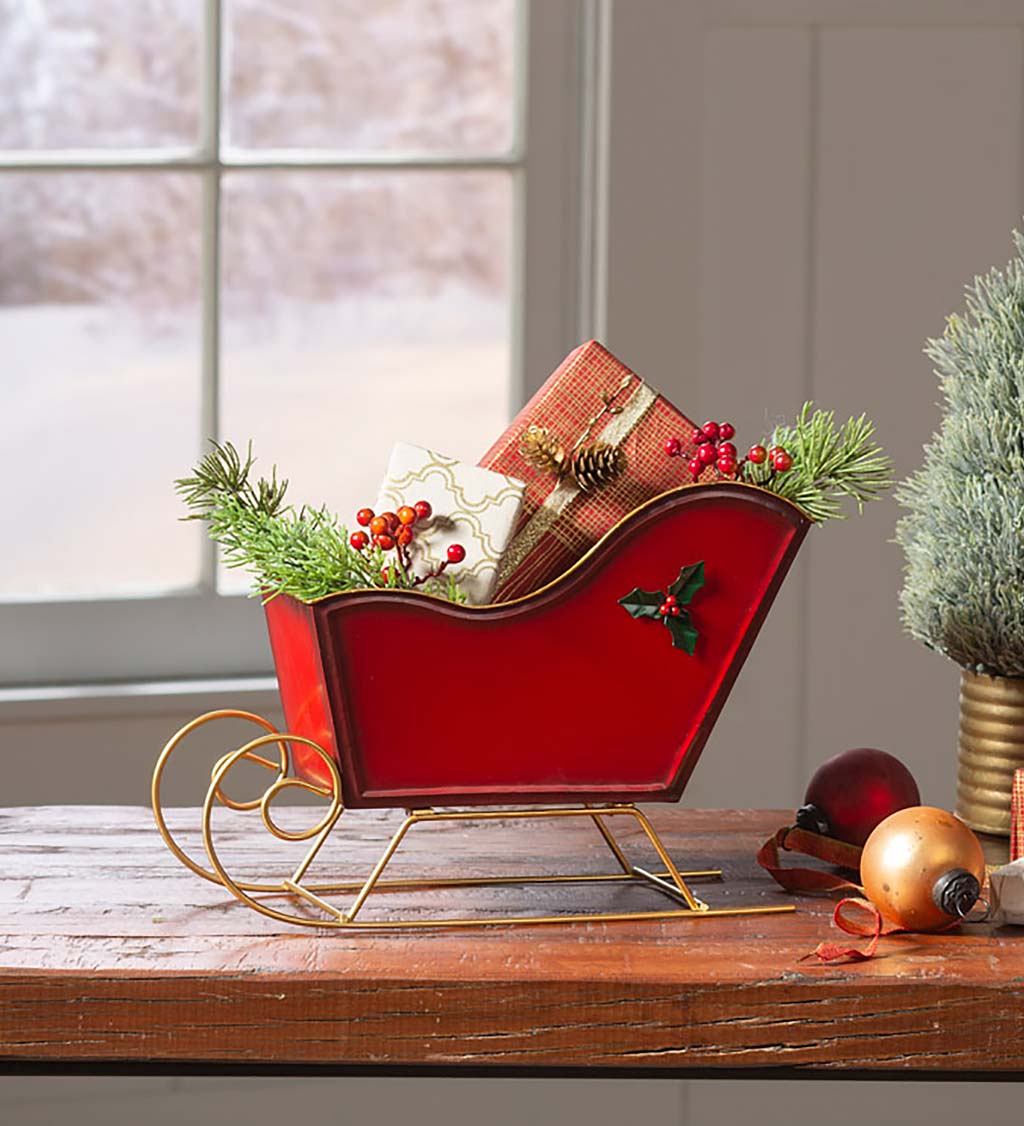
[392, 74]
[358, 310]
[99, 318]
[81, 74]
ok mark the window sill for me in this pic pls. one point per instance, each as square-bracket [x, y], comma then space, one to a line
[136, 698]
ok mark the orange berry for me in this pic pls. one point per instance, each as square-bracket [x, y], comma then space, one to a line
[378, 526]
[392, 520]
[405, 535]
[407, 514]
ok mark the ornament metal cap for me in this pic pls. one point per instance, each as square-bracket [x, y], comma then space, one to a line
[956, 892]
[813, 819]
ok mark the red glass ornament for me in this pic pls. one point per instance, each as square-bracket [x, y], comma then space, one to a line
[423, 510]
[851, 793]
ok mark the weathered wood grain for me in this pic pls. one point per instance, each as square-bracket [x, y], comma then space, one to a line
[110, 950]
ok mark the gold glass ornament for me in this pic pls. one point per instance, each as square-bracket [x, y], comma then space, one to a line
[922, 868]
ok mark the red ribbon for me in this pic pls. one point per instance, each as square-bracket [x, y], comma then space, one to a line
[814, 880]
[810, 844]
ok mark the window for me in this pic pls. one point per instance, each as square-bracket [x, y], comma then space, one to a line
[313, 225]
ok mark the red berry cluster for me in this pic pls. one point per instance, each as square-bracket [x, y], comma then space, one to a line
[389, 529]
[396, 531]
[670, 607]
[715, 447]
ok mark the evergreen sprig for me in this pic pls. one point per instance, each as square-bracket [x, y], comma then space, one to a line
[830, 464]
[304, 552]
[963, 534]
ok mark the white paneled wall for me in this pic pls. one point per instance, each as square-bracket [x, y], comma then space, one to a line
[815, 184]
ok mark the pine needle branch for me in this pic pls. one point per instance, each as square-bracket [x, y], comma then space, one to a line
[830, 464]
[304, 553]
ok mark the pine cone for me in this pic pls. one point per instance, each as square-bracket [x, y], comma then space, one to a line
[543, 450]
[596, 465]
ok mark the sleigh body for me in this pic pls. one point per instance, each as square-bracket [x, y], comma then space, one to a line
[560, 699]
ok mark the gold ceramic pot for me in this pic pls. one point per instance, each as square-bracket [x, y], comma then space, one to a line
[991, 749]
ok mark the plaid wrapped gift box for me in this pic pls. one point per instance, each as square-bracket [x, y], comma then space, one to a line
[591, 398]
[1017, 817]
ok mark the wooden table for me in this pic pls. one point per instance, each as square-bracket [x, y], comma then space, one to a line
[113, 957]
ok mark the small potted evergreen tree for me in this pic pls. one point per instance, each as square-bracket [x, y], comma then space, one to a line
[963, 536]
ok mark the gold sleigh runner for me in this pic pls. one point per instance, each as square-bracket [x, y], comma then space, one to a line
[308, 903]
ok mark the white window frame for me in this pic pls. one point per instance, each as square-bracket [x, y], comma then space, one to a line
[47, 646]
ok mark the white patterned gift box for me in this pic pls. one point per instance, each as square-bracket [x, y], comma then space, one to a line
[474, 507]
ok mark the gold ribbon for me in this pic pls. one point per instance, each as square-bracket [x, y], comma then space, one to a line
[623, 422]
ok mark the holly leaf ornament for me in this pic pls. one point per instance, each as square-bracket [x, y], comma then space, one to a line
[642, 603]
[690, 580]
[668, 606]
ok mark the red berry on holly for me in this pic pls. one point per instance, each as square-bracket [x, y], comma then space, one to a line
[405, 535]
[727, 449]
[671, 600]
[359, 540]
[456, 553]
[706, 454]
[782, 462]
[673, 447]
[674, 611]
[757, 454]
[664, 609]
[364, 516]
[697, 437]
[727, 466]
[406, 514]
[696, 467]
[385, 542]
[710, 430]
[423, 510]
[378, 526]
[726, 431]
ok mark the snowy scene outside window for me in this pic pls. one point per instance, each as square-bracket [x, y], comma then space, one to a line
[362, 289]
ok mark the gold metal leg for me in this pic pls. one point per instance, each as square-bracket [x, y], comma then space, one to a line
[671, 881]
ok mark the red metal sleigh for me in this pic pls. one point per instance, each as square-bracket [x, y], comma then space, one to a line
[567, 705]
